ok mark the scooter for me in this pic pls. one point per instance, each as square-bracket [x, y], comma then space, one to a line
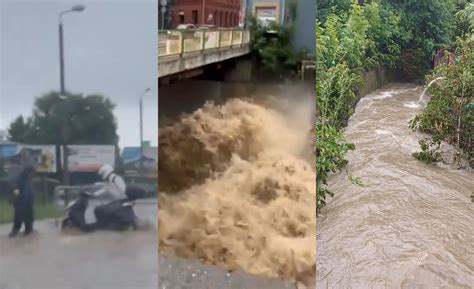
[117, 215]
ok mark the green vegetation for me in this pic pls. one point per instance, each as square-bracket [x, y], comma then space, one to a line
[90, 121]
[42, 211]
[352, 39]
[448, 115]
[330, 149]
[272, 44]
[429, 151]
[357, 36]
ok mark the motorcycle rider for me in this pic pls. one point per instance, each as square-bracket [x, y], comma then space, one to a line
[115, 186]
[112, 213]
[122, 194]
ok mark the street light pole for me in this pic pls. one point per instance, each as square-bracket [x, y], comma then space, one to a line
[141, 128]
[163, 10]
[65, 126]
[61, 56]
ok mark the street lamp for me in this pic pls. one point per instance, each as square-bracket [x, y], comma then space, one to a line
[141, 127]
[163, 11]
[75, 8]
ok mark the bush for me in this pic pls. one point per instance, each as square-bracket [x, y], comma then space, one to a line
[351, 39]
[330, 151]
[272, 44]
[448, 115]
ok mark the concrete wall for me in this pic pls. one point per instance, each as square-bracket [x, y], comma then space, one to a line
[375, 79]
[177, 64]
[305, 26]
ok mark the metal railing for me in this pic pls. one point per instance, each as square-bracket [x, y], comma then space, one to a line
[176, 42]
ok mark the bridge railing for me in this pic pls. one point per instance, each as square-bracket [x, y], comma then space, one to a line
[176, 42]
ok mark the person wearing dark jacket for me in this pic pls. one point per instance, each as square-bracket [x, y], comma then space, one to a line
[23, 203]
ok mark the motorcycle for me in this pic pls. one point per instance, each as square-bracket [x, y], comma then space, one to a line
[117, 215]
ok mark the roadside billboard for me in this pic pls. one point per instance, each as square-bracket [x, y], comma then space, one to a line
[16, 156]
[89, 158]
[131, 159]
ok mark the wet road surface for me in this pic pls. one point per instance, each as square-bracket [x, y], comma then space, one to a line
[101, 260]
[176, 273]
[412, 224]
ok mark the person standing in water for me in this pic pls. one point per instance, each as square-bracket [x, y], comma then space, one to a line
[23, 202]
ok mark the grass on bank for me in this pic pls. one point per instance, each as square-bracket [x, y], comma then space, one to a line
[41, 211]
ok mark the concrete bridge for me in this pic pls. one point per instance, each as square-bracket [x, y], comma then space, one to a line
[181, 53]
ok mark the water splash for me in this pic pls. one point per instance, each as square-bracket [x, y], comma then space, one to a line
[258, 191]
[420, 100]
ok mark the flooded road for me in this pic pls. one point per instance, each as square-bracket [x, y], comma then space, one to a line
[412, 225]
[100, 260]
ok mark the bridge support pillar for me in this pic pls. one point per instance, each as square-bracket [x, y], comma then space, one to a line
[242, 72]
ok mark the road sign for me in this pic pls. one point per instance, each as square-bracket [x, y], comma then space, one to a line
[163, 9]
[164, 2]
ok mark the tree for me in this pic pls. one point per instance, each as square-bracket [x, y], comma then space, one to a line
[428, 23]
[89, 120]
[19, 130]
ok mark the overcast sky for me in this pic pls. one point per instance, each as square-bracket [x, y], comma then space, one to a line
[110, 48]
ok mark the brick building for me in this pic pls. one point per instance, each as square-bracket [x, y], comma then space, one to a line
[221, 13]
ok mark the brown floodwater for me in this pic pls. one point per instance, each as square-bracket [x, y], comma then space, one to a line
[237, 188]
[412, 224]
[51, 259]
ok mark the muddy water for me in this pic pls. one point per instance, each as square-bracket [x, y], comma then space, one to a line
[412, 226]
[236, 188]
[51, 259]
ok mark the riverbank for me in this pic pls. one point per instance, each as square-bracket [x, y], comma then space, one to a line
[409, 225]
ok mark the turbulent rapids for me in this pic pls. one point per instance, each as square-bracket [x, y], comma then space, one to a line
[237, 190]
[412, 224]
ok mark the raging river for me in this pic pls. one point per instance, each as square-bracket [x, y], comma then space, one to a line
[411, 224]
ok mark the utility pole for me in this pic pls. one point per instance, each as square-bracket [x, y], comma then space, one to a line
[141, 129]
[163, 11]
[65, 126]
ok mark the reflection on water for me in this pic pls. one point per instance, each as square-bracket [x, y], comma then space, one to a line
[413, 225]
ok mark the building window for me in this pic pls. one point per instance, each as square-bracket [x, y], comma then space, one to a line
[221, 19]
[181, 17]
[195, 17]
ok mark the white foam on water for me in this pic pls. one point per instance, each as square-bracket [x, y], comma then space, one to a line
[412, 104]
[382, 131]
[384, 95]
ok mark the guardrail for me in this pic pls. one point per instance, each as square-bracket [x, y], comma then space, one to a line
[176, 42]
